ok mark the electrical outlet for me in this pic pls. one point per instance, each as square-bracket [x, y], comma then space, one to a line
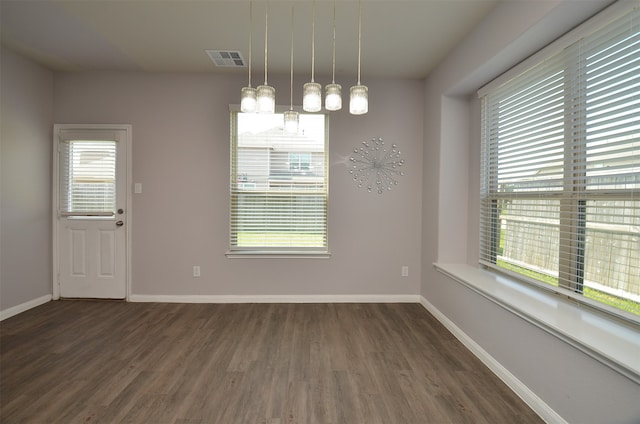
[405, 271]
[196, 271]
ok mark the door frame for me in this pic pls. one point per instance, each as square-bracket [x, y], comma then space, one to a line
[128, 129]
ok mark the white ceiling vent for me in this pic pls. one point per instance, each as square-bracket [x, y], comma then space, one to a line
[227, 58]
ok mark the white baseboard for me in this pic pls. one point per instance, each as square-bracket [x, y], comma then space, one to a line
[15, 310]
[390, 298]
[529, 397]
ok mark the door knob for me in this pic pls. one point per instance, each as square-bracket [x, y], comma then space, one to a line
[119, 223]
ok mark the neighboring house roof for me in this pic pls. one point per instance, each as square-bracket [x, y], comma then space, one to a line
[276, 139]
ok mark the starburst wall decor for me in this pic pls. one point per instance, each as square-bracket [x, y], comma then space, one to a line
[376, 167]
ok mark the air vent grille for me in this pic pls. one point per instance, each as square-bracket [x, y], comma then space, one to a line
[227, 58]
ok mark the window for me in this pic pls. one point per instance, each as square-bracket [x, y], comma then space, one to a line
[299, 162]
[279, 184]
[560, 184]
[88, 177]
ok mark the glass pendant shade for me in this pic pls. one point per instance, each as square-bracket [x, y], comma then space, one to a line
[248, 100]
[333, 97]
[266, 99]
[291, 119]
[359, 101]
[312, 97]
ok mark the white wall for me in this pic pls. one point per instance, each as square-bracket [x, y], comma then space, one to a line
[575, 386]
[25, 193]
[181, 157]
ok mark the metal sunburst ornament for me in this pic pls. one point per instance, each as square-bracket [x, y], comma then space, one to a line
[375, 166]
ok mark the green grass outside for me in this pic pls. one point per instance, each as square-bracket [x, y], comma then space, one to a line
[279, 239]
[597, 295]
[616, 302]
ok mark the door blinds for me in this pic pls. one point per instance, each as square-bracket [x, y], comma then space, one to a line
[87, 178]
[560, 184]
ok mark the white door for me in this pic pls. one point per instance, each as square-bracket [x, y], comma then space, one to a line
[90, 198]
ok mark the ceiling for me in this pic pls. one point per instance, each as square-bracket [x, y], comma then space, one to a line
[400, 39]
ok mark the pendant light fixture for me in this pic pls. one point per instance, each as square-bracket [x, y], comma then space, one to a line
[291, 117]
[248, 101]
[333, 91]
[359, 101]
[312, 91]
[266, 94]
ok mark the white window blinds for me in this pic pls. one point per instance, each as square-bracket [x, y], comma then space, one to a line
[87, 177]
[278, 184]
[560, 183]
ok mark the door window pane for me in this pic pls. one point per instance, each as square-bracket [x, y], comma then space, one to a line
[88, 176]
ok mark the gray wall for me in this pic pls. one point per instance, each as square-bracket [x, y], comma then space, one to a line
[25, 193]
[181, 157]
[578, 388]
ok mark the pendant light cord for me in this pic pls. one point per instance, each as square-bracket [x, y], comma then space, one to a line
[266, 34]
[250, 36]
[291, 88]
[313, 42]
[333, 77]
[359, 35]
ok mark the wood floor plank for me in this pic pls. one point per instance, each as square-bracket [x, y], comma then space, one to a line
[108, 362]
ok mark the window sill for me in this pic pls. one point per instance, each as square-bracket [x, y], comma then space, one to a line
[245, 254]
[612, 342]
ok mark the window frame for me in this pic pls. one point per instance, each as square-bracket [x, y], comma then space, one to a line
[266, 252]
[569, 252]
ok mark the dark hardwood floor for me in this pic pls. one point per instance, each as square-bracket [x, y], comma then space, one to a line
[111, 362]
